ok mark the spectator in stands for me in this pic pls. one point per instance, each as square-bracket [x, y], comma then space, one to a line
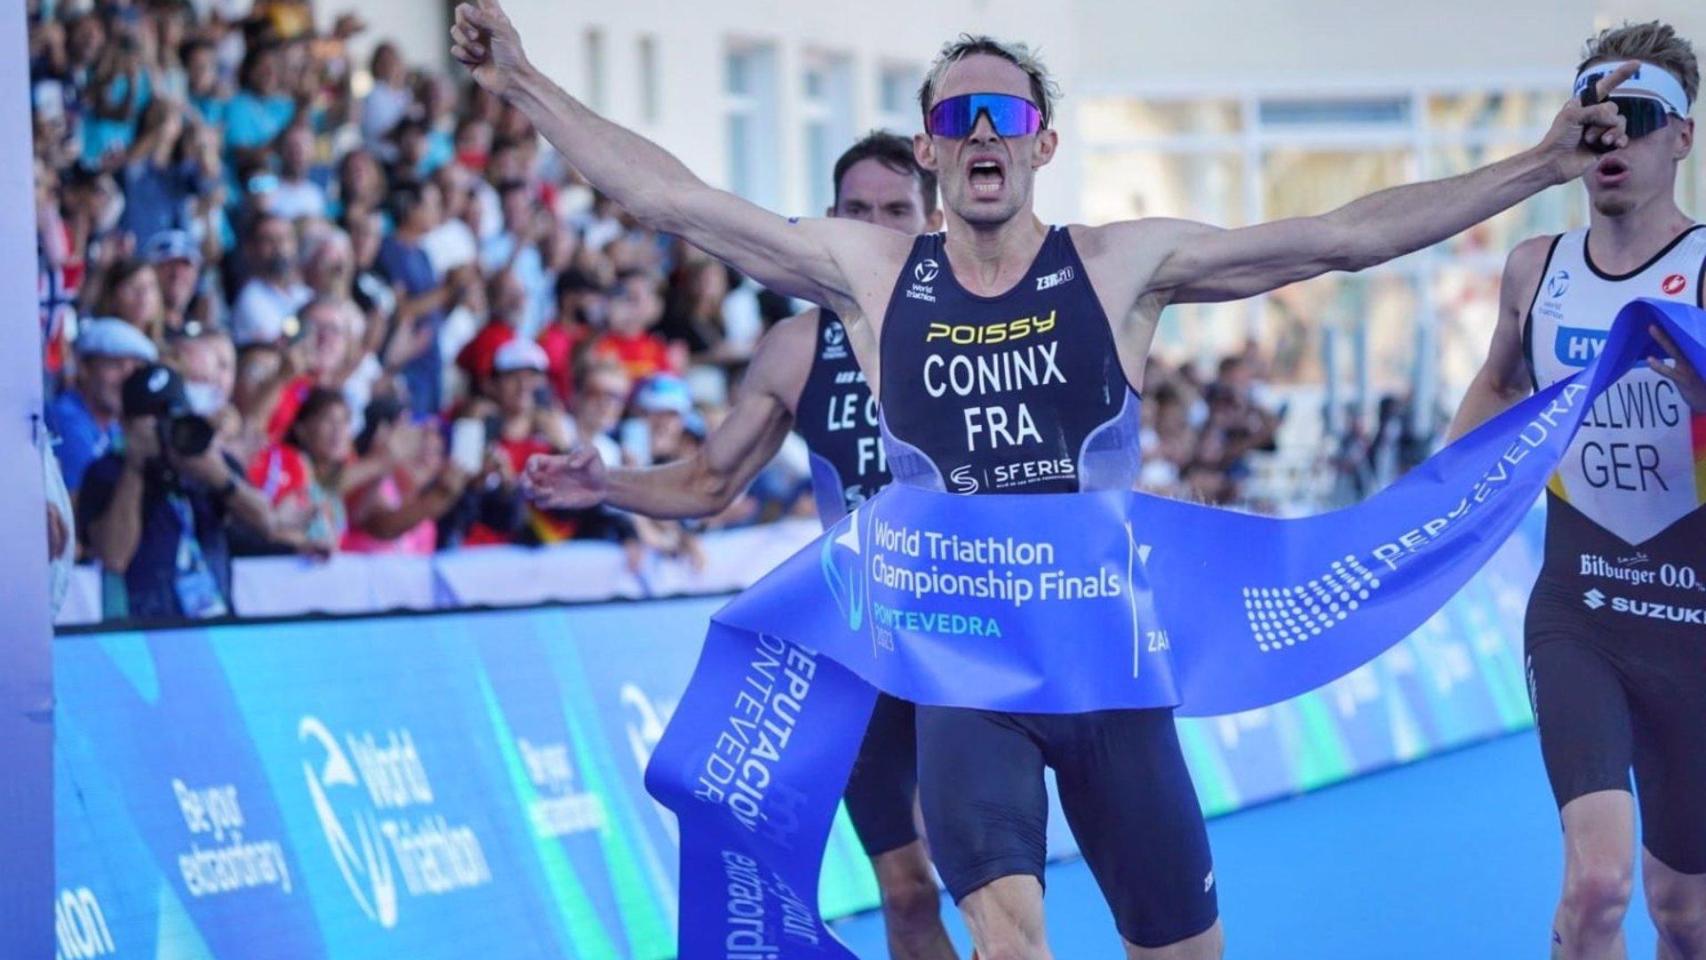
[415, 211]
[694, 313]
[506, 301]
[661, 433]
[158, 184]
[630, 339]
[519, 429]
[325, 356]
[207, 95]
[118, 92]
[580, 307]
[362, 187]
[301, 191]
[389, 101]
[86, 420]
[157, 515]
[262, 107]
[266, 307]
[515, 248]
[177, 268]
[302, 476]
[398, 512]
[599, 402]
[133, 295]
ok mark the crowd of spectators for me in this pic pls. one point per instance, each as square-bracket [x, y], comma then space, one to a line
[1199, 433]
[296, 303]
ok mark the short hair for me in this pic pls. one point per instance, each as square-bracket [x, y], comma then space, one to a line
[1043, 88]
[892, 151]
[404, 199]
[318, 401]
[1654, 42]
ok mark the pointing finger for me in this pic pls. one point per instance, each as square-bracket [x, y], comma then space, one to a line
[1615, 79]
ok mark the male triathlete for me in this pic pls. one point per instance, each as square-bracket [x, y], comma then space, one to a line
[1616, 626]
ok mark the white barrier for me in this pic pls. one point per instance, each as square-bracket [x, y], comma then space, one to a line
[497, 576]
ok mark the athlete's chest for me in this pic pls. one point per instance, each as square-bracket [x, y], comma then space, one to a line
[1577, 301]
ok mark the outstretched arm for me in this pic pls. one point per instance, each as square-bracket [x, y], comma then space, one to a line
[708, 481]
[1202, 263]
[832, 262]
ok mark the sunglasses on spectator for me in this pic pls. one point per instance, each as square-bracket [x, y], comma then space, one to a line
[1008, 115]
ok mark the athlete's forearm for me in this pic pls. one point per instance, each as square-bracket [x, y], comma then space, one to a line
[724, 465]
[1401, 220]
[635, 172]
[1483, 401]
[680, 490]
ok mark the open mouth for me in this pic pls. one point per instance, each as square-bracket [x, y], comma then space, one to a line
[1611, 170]
[986, 177]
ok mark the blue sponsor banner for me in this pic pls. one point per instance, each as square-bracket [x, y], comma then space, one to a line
[436, 786]
[481, 774]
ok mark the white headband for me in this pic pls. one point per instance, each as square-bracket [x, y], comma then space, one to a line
[1650, 81]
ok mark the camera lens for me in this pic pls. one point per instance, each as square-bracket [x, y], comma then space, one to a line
[189, 435]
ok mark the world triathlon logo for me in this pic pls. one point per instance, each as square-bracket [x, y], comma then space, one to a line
[1558, 284]
[1282, 617]
[363, 861]
[843, 570]
[926, 271]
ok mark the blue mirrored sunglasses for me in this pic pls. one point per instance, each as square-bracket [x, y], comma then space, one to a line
[1010, 116]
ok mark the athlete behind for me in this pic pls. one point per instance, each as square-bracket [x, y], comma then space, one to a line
[803, 376]
[1006, 355]
[1616, 627]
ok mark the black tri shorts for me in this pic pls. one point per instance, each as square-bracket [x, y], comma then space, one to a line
[884, 782]
[1124, 788]
[1617, 680]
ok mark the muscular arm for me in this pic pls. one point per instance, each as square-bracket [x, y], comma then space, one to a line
[742, 444]
[1198, 263]
[1503, 379]
[838, 263]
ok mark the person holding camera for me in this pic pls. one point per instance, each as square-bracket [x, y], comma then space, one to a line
[156, 511]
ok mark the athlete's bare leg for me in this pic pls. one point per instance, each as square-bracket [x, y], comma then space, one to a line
[912, 905]
[1599, 876]
[1006, 919]
[1208, 945]
[1677, 902]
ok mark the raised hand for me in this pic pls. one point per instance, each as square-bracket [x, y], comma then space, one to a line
[571, 481]
[484, 41]
[1582, 133]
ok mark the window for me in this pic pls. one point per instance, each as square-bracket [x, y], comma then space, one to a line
[897, 98]
[749, 94]
[826, 108]
[650, 110]
[594, 59]
[1384, 111]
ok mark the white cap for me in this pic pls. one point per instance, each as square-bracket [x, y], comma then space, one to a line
[111, 337]
[520, 354]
